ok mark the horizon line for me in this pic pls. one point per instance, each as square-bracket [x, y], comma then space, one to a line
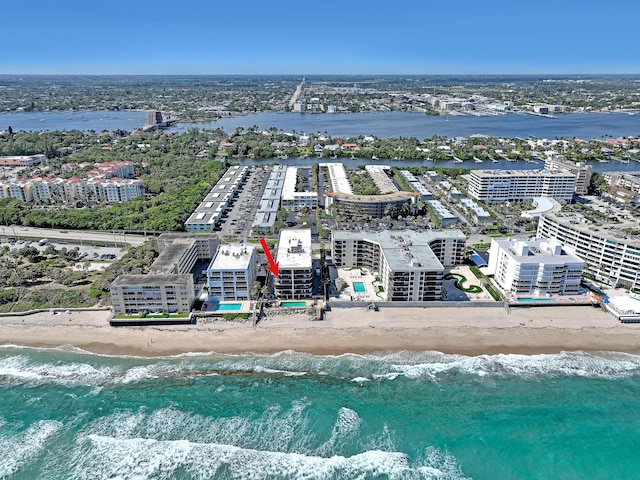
[318, 74]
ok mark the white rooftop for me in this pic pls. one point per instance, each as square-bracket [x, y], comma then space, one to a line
[294, 248]
[338, 176]
[233, 256]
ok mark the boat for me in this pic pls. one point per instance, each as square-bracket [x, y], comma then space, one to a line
[477, 160]
[456, 160]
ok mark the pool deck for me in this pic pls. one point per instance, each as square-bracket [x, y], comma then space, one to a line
[548, 300]
[246, 307]
[364, 276]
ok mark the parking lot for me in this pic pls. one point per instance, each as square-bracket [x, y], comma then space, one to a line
[239, 219]
[85, 252]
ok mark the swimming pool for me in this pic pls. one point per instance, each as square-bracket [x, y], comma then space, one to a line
[359, 287]
[293, 304]
[227, 307]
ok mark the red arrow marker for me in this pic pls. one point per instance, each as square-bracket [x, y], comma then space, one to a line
[273, 267]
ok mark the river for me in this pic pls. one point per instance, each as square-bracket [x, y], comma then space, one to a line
[380, 124]
[405, 124]
[632, 166]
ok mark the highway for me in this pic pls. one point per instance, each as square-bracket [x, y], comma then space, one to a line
[296, 94]
[71, 236]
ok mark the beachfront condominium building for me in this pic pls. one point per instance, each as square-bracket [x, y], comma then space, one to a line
[232, 272]
[135, 294]
[410, 264]
[295, 279]
[503, 185]
[611, 256]
[534, 267]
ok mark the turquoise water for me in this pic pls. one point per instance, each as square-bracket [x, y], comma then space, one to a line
[293, 304]
[359, 287]
[225, 307]
[534, 300]
[72, 415]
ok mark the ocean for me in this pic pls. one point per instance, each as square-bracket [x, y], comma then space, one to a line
[68, 414]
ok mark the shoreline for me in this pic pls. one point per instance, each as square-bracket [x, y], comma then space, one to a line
[460, 330]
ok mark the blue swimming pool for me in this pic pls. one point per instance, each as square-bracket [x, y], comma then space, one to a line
[534, 300]
[359, 287]
[228, 307]
[293, 304]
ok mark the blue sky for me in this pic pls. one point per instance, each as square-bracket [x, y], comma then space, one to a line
[323, 37]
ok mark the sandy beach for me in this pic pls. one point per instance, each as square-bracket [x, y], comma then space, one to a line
[469, 331]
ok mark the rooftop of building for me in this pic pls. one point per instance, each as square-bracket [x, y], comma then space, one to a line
[294, 248]
[389, 197]
[338, 176]
[442, 211]
[520, 173]
[536, 251]
[168, 258]
[232, 256]
[152, 280]
[289, 186]
[181, 235]
[405, 249]
[542, 205]
[603, 229]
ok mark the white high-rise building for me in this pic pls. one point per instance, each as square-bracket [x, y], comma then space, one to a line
[410, 264]
[295, 279]
[580, 170]
[502, 185]
[232, 272]
[534, 267]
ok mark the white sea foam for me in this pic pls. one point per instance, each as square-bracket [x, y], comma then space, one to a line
[276, 428]
[345, 429]
[18, 449]
[286, 373]
[138, 458]
[435, 366]
[19, 369]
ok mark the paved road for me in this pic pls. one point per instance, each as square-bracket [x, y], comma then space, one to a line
[71, 236]
[296, 95]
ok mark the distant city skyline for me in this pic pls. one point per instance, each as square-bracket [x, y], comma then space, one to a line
[330, 37]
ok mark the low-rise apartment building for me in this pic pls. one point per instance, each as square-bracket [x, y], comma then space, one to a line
[376, 206]
[135, 294]
[22, 160]
[292, 199]
[208, 214]
[266, 214]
